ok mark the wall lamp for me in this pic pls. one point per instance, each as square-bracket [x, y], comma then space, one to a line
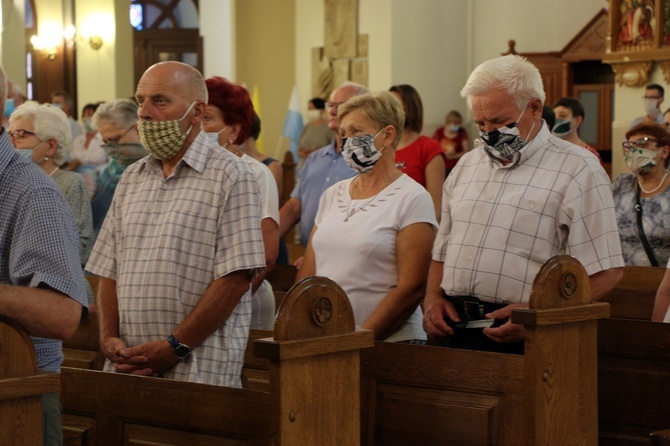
[48, 43]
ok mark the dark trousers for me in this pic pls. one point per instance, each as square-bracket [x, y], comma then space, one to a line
[471, 308]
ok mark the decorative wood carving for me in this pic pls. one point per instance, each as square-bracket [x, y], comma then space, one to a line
[631, 74]
[665, 68]
[639, 35]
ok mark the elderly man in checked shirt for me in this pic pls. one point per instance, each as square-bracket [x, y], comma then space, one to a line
[521, 197]
[180, 244]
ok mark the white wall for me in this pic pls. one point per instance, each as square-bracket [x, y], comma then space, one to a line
[218, 30]
[107, 73]
[535, 25]
[430, 53]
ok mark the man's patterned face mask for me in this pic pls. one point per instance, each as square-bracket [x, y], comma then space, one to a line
[163, 139]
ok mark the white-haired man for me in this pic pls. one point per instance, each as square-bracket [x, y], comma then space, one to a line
[520, 198]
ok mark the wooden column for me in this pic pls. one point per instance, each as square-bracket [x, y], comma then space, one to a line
[315, 366]
[561, 403]
[21, 387]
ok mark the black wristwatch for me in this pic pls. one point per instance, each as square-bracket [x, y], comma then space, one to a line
[181, 351]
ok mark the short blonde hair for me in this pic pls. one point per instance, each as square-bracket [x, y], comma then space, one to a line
[381, 107]
[50, 122]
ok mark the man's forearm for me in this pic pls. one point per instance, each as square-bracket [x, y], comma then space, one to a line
[213, 309]
[42, 312]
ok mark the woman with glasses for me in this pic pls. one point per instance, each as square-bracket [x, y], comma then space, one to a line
[117, 123]
[41, 134]
[642, 197]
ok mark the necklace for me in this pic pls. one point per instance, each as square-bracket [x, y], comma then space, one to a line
[350, 212]
[639, 183]
[53, 171]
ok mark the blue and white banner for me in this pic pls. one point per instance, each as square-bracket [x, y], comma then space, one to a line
[293, 122]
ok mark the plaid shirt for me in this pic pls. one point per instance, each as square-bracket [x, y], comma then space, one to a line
[500, 224]
[165, 240]
[39, 244]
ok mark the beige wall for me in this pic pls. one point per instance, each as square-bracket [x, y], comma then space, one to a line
[107, 73]
[266, 59]
[12, 50]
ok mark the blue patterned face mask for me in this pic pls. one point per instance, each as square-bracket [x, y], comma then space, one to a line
[360, 153]
[505, 142]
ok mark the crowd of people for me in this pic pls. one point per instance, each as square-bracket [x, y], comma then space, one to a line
[166, 199]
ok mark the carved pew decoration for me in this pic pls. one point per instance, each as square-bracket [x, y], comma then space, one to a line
[313, 398]
[21, 387]
[561, 355]
[315, 366]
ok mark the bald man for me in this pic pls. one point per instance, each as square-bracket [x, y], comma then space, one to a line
[180, 244]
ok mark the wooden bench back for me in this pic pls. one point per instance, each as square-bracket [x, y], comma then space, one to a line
[21, 387]
[314, 337]
[633, 297]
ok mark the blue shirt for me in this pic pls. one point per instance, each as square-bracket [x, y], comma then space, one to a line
[39, 243]
[323, 168]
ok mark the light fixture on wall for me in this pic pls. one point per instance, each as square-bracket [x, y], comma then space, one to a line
[49, 43]
[95, 42]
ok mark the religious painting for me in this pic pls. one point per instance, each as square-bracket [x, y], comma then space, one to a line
[637, 25]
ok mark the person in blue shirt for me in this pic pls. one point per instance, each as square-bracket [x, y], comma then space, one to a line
[322, 169]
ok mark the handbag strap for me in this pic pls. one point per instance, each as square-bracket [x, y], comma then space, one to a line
[640, 230]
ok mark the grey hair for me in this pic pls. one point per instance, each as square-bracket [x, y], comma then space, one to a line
[381, 107]
[357, 88]
[50, 122]
[514, 74]
[121, 112]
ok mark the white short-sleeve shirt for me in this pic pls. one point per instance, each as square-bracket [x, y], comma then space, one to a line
[359, 252]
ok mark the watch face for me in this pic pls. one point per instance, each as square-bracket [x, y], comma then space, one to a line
[182, 351]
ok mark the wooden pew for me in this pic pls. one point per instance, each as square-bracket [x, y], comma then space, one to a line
[21, 387]
[633, 297]
[313, 398]
[430, 395]
[424, 395]
[633, 363]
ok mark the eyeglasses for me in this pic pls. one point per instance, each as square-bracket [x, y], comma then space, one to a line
[115, 141]
[654, 98]
[20, 134]
[639, 144]
[334, 104]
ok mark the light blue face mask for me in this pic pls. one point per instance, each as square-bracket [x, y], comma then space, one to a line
[214, 136]
[26, 154]
[9, 108]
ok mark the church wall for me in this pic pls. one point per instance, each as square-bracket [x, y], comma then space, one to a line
[265, 58]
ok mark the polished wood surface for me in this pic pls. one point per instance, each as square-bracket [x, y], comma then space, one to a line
[633, 297]
[21, 387]
[413, 394]
[304, 395]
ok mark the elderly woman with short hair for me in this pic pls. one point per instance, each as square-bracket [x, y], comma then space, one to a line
[374, 233]
[41, 134]
[116, 121]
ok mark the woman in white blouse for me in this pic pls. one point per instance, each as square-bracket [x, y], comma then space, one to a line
[373, 233]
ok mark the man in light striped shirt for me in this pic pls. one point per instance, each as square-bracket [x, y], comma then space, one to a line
[180, 244]
[521, 197]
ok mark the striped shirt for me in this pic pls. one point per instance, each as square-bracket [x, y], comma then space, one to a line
[39, 244]
[500, 224]
[165, 240]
